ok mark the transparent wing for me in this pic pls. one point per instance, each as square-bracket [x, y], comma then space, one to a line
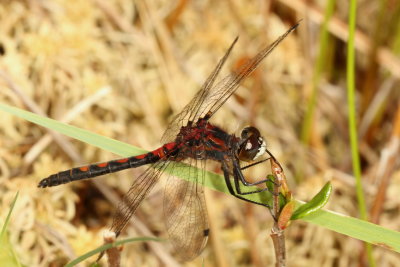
[194, 106]
[135, 195]
[211, 97]
[185, 210]
[228, 85]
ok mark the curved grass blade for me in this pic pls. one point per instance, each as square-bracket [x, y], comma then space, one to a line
[108, 246]
[212, 181]
[352, 227]
[88, 137]
[356, 228]
[7, 254]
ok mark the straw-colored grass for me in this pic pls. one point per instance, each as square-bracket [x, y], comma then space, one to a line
[59, 57]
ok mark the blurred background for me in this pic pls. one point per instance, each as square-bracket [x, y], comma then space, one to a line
[121, 68]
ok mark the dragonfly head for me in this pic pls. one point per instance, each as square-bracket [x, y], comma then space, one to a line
[252, 145]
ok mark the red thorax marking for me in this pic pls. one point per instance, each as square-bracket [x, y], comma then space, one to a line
[216, 140]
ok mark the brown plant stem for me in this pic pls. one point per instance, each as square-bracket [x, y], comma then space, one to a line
[277, 232]
[278, 239]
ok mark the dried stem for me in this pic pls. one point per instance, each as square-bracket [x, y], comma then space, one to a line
[277, 231]
[278, 239]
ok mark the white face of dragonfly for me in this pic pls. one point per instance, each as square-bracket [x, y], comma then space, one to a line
[261, 147]
[253, 145]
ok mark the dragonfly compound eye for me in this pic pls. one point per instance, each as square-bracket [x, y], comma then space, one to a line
[253, 145]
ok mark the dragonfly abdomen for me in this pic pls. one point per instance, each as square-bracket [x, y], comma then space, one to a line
[98, 169]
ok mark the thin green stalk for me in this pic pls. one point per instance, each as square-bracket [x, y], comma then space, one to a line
[321, 61]
[4, 228]
[8, 257]
[396, 42]
[108, 246]
[352, 119]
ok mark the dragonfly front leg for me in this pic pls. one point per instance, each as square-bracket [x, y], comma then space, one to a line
[228, 183]
[238, 176]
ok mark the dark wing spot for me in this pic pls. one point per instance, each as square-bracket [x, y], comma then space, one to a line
[2, 49]
[206, 232]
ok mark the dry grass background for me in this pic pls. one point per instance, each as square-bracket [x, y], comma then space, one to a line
[60, 58]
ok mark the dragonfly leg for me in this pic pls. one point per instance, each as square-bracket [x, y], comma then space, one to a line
[253, 164]
[237, 169]
[232, 191]
[265, 180]
[238, 176]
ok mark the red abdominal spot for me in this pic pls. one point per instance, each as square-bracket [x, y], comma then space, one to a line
[102, 165]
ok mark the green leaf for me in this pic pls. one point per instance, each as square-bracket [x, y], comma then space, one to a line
[316, 203]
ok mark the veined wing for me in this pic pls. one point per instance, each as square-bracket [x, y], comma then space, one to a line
[189, 111]
[185, 210]
[228, 85]
[139, 189]
[212, 96]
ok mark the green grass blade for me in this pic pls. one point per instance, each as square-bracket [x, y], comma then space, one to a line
[352, 227]
[4, 228]
[7, 254]
[212, 181]
[108, 246]
[356, 228]
[88, 137]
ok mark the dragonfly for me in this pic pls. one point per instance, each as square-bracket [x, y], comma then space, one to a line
[189, 138]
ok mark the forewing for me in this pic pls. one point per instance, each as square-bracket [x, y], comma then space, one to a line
[228, 85]
[212, 96]
[185, 211]
[194, 106]
[135, 195]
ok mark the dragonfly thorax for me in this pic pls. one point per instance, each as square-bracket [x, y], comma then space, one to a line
[252, 145]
